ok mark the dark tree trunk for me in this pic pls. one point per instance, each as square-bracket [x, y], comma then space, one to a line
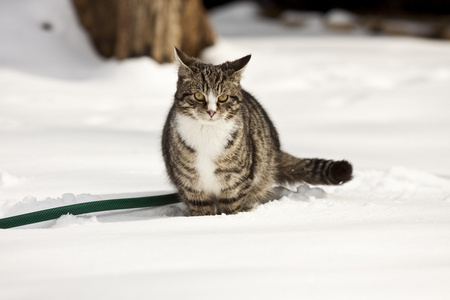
[130, 28]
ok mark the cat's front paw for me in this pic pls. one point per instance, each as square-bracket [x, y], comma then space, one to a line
[196, 211]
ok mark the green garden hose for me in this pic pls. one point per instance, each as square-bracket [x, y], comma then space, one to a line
[88, 207]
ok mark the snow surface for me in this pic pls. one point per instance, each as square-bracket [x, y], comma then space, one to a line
[76, 128]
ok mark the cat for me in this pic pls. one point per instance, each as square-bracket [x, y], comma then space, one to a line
[221, 150]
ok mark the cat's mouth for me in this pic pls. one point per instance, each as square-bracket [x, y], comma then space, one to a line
[208, 120]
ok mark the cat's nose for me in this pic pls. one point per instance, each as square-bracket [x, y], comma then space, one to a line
[211, 112]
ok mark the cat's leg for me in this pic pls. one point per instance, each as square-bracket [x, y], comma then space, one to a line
[245, 195]
[232, 198]
[234, 206]
[230, 206]
[198, 203]
[243, 200]
[201, 208]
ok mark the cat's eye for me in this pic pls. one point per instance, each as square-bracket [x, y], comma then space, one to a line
[199, 96]
[223, 98]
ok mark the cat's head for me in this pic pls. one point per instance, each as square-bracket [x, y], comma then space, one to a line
[206, 92]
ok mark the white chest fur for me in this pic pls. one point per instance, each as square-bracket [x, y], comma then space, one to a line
[209, 141]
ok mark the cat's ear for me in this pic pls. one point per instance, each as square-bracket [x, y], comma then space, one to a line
[182, 58]
[237, 66]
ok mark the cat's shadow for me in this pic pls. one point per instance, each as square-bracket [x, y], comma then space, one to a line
[303, 192]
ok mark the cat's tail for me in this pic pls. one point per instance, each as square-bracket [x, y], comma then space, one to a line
[312, 170]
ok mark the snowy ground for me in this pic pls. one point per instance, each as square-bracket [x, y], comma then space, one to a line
[75, 128]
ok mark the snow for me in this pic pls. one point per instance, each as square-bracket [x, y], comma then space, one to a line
[76, 128]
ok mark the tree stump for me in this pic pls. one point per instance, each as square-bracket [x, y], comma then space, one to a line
[131, 28]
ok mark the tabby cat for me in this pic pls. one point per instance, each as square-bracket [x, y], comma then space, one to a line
[220, 148]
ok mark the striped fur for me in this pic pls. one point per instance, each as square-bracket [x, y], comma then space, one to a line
[227, 161]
